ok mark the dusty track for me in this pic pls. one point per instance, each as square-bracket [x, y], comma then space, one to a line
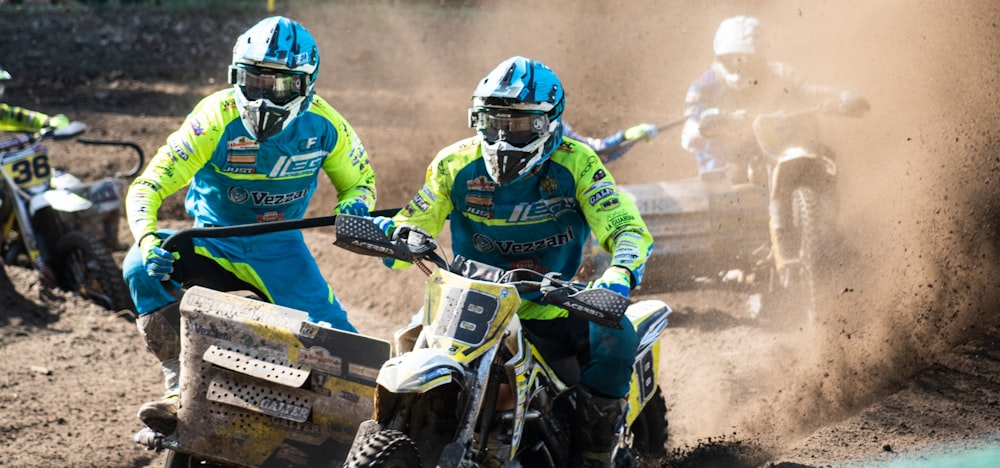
[905, 360]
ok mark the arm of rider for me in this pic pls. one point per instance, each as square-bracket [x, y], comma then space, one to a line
[644, 131]
[711, 122]
[615, 146]
[158, 262]
[352, 206]
[714, 122]
[617, 279]
[57, 121]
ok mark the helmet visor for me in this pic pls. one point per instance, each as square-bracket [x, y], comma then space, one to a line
[277, 86]
[516, 128]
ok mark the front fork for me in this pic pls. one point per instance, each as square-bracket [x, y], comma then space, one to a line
[27, 233]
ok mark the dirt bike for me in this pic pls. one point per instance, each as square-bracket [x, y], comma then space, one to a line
[470, 387]
[56, 224]
[260, 385]
[715, 229]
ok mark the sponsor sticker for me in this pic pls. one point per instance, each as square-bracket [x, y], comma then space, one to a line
[245, 159]
[242, 143]
[320, 358]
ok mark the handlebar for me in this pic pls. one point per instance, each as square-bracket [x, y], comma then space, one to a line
[140, 155]
[75, 128]
[241, 230]
[29, 138]
[361, 235]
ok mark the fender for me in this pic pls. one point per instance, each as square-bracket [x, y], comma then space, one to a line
[419, 371]
[798, 163]
[649, 317]
[60, 200]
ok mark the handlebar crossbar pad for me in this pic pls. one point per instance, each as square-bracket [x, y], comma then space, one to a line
[476, 270]
[600, 306]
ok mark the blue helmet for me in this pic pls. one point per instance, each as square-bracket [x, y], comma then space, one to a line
[517, 110]
[274, 69]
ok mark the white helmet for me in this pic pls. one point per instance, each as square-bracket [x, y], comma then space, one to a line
[736, 35]
[735, 47]
[274, 70]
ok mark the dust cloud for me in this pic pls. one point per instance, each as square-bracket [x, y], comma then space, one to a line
[918, 180]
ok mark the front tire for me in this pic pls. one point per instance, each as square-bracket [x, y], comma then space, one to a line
[794, 292]
[174, 459]
[389, 449]
[649, 430]
[84, 265]
[810, 231]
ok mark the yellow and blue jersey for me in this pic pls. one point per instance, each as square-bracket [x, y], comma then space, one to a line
[540, 221]
[235, 179]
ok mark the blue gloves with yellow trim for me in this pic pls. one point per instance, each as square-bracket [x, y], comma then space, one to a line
[615, 278]
[352, 206]
[388, 226]
[159, 263]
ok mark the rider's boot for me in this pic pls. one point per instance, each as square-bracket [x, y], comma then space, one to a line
[162, 334]
[595, 429]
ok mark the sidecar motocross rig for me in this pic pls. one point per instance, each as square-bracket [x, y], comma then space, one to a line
[702, 228]
[261, 386]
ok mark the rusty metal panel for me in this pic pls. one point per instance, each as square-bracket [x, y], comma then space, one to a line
[261, 386]
[248, 363]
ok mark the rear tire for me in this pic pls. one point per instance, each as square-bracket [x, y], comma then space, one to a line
[389, 449]
[83, 265]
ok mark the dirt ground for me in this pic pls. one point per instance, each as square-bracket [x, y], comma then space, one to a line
[903, 368]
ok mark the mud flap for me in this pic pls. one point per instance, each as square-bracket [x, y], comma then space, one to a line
[262, 386]
[452, 456]
[365, 431]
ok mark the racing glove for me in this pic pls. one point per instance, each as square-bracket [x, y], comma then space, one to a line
[158, 262]
[615, 278]
[388, 226]
[710, 123]
[641, 132]
[57, 121]
[391, 230]
[852, 104]
[352, 206]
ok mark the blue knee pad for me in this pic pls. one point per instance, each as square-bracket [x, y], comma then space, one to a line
[612, 354]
